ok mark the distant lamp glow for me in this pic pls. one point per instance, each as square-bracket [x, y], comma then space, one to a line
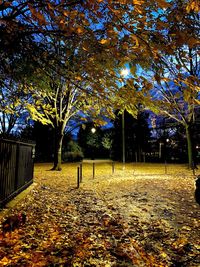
[125, 72]
[93, 130]
[167, 140]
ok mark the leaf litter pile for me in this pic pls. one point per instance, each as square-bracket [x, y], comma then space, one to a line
[135, 217]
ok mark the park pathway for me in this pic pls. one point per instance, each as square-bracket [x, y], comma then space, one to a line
[109, 221]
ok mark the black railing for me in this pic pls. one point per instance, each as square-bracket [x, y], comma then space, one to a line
[16, 168]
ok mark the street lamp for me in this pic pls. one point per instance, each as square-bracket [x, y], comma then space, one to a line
[93, 130]
[125, 72]
[123, 141]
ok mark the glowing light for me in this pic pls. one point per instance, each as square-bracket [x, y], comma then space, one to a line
[125, 72]
[93, 130]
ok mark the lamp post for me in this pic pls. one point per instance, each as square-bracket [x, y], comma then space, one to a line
[123, 141]
[93, 130]
[124, 73]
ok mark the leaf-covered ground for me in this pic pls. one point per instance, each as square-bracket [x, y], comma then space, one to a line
[144, 215]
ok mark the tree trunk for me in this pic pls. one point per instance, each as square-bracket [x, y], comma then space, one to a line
[189, 146]
[58, 149]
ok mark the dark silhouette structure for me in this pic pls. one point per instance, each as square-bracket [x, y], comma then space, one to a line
[16, 168]
[197, 190]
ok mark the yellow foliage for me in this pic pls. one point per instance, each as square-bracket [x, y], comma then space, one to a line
[138, 2]
[5, 261]
[79, 30]
[37, 116]
[135, 40]
[103, 41]
[123, 2]
[66, 13]
[79, 78]
[139, 10]
[73, 14]
[193, 5]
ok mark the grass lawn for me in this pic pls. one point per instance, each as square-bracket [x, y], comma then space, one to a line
[144, 215]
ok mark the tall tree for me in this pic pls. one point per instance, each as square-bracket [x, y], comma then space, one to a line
[71, 84]
[177, 71]
[12, 107]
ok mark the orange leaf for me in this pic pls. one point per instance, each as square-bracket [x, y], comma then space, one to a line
[193, 42]
[138, 2]
[163, 4]
[193, 5]
[66, 13]
[5, 261]
[79, 30]
[50, 6]
[135, 40]
[139, 10]
[103, 41]
[85, 46]
[78, 78]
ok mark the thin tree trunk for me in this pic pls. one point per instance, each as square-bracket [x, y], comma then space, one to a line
[58, 149]
[189, 146]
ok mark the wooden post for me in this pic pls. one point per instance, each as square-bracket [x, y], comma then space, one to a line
[81, 172]
[113, 167]
[78, 177]
[165, 167]
[144, 158]
[136, 157]
[93, 169]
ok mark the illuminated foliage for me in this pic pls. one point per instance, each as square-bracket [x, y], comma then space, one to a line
[78, 47]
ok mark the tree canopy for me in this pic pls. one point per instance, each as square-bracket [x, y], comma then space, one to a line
[67, 55]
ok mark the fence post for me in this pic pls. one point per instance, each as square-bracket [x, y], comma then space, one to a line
[113, 167]
[81, 173]
[165, 167]
[144, 157]
[17, 166]
[78, 177]
[136, 157]
[93, 170]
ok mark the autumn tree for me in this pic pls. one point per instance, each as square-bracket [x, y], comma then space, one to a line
[67, 87]
[86, 43]
[70, 75]
[12, 107]
[167, 47]
[17, 52]
[176, 71]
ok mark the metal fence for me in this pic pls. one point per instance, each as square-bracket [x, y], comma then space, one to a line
[16, 168]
